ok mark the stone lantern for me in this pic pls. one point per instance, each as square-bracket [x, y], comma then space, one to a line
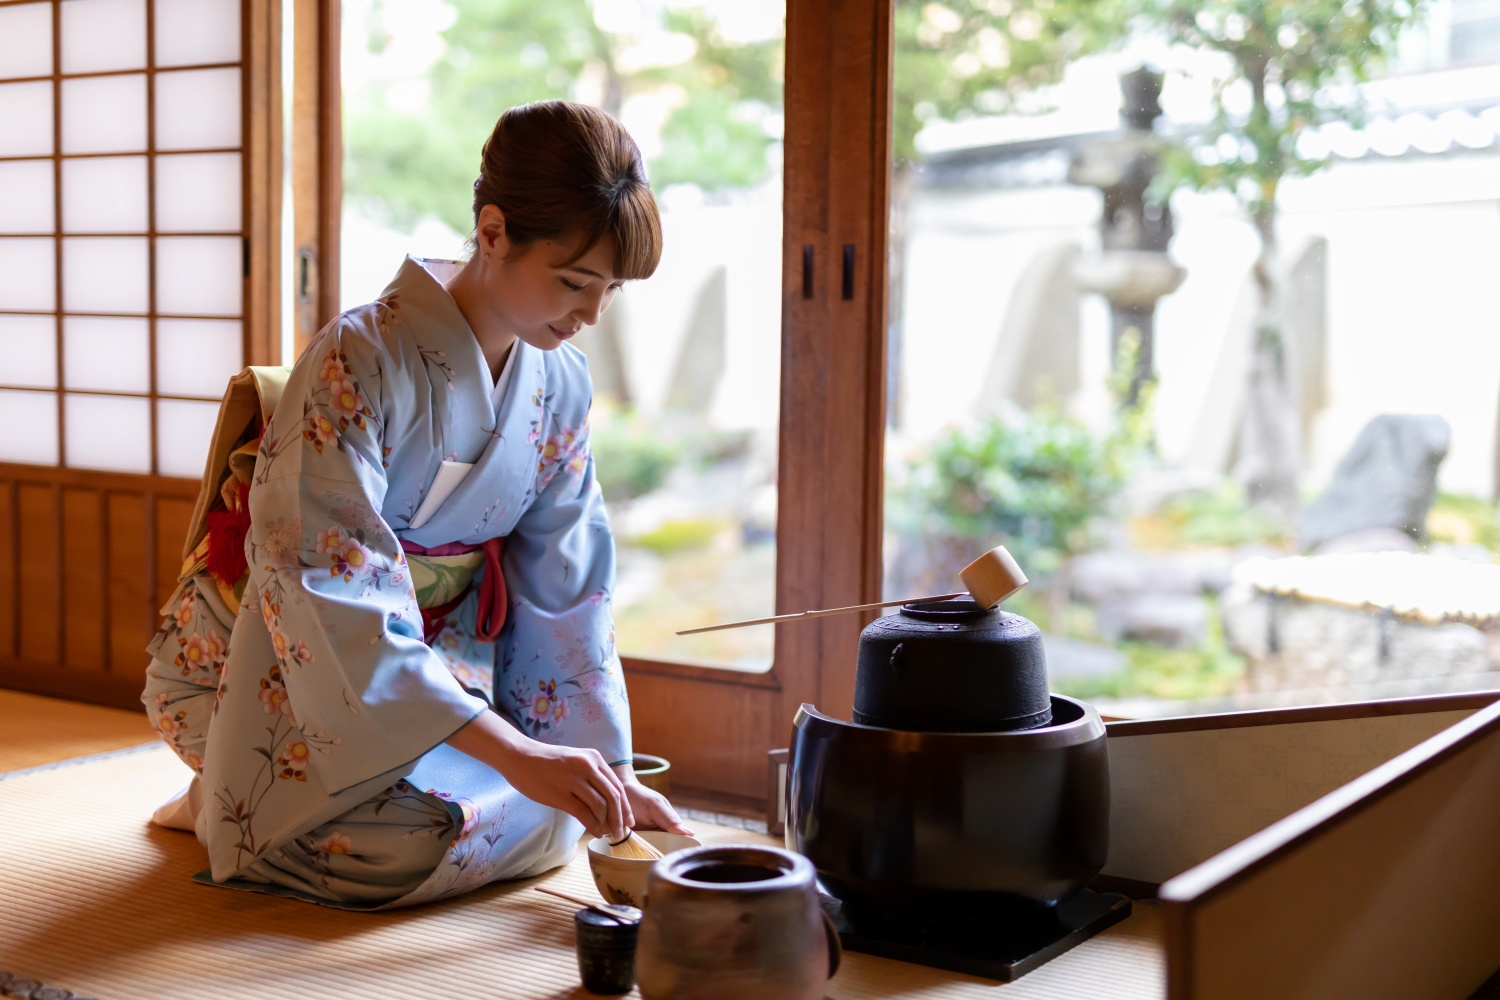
[1132, 269]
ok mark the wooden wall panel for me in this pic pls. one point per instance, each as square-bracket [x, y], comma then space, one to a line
[703, 728]
[132, 616]
[41, 578]
[10, 594]
[1384, 888]
[84, 573]
[1179, 796]
[170, 528]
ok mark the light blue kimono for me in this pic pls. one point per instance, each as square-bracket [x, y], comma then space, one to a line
[316, 717]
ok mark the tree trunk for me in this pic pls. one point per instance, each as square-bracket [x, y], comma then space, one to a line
[1270, 452]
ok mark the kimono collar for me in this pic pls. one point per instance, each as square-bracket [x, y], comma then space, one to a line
[429, 311]
[435, 319]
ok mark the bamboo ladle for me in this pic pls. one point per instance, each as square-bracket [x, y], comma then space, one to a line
[991, 578]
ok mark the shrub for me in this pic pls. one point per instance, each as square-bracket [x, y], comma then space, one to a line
[1032, 480]
[631, 458]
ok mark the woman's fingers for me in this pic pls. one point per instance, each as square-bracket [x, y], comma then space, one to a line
[612, 794]
[591, 811]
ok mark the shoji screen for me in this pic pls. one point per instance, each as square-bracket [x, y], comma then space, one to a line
[122, 234]
[141, 170]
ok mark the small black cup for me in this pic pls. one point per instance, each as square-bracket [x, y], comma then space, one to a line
[606, 952]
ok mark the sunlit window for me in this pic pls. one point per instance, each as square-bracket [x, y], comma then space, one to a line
[685, 365]
[1196, 315]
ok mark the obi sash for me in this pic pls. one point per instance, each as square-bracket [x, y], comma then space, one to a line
[441, 576]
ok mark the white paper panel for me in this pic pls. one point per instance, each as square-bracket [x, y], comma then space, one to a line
[100, 35]
[104, 114]
[105, 194]
[195, 32]
[26, 200]
[196, 357]
[26, 40]
[107, 354]
[199, 275]
[108, 432]
[28, 427]
[106, 274]
[28, 351]
[28, 273]
[183, 430]
[198, 192]
[198, 109]
[26, 110]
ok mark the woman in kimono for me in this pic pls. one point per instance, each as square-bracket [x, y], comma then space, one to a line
[418, 691]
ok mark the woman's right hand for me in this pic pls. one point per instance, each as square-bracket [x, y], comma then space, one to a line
[572, 779]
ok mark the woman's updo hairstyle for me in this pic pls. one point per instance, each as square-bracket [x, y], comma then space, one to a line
[557, 169]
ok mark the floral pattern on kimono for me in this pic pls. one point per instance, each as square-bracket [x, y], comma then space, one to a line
[327, 697]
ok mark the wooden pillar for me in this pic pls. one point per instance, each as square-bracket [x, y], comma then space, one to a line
[317, 146]
[834, 290]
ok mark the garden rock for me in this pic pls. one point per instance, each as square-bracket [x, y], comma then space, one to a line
[1369, 540]
[1292, 643]
[1176, 621]
[1387, 479]
[1115, 575]
[1070, 659]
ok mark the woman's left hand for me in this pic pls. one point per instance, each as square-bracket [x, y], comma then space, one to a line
[651, 808]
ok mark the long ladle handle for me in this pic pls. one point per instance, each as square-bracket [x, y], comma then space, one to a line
[819, 614]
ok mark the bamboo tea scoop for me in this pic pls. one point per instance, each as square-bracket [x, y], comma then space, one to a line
[991, 578]
[619, 911]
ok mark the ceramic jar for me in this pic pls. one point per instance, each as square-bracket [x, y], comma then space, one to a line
[734, 923]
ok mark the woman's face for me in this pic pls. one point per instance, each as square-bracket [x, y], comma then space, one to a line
[531, 294]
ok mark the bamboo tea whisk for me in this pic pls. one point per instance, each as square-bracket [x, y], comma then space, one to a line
[991, 578]
[635, 847]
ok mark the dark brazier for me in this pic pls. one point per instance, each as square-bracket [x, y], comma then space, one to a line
[893, 818]
[958, 819]
[951, 667]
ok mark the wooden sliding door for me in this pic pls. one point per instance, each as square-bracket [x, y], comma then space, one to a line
[141, 178]
[716, 725]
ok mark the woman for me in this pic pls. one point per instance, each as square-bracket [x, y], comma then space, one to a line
[393, 720]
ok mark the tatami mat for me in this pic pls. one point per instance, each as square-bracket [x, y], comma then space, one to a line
[36, 730]
[98, 902]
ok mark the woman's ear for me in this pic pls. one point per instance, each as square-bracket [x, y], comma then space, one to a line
[490, 233]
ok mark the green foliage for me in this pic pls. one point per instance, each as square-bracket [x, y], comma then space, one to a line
[958, 58]
[1153, 671]
[409, 164]
[1219, 518]
[1464, 520]
[954, 58]
[1033, 481]
[679, 536]
[631, 458]
[1287, 53]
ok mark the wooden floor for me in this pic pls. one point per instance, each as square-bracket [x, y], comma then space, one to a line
[36, 730]
[82, 865]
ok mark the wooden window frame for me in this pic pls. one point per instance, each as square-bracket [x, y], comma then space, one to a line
[717, 725]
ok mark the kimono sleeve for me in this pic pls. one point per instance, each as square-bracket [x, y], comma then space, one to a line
[331, 578]
[559, 675]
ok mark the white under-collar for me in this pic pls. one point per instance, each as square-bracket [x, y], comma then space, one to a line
[497, 395]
